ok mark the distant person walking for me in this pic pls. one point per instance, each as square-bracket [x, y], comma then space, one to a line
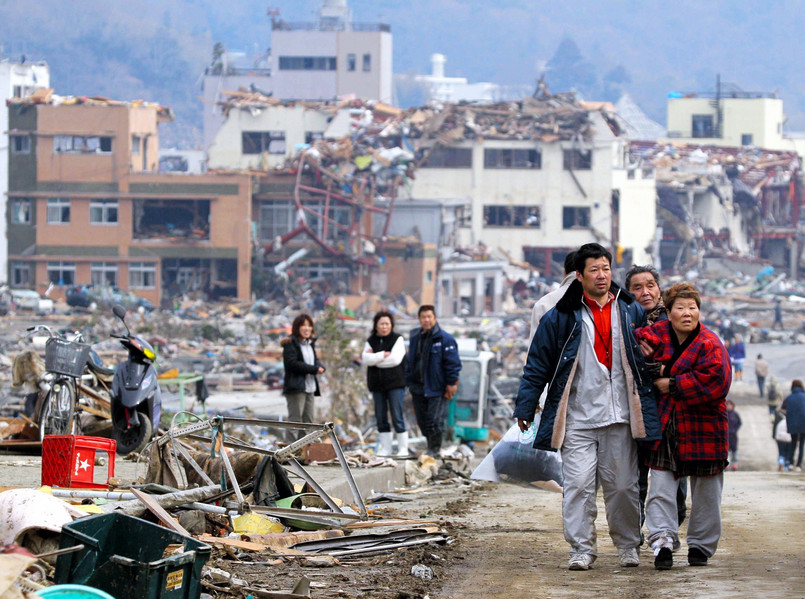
[384, 354]
[774, 394]
[734, 422]
[778, 315]
[761, 372]
[794, 408]
[737, 353]
[301, 369]
[432, 367]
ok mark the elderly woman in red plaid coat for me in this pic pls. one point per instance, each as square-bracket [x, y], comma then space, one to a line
[691, 392]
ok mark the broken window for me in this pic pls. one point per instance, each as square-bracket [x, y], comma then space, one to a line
[61, 272]
[58, 211]
[20, 144]
[173, 164]
[511, 216]
[21, 274]
[512, 158]
[142, 275]
[103, 273]
[103, 212]
[257, 142]
[702, 125]
[575, 217]
[307, 63]
[158, 218]
[577, 160]
[275, 219]
[448, 158]
[82, 144]
[311, 136]
[21, 211]
[136, 142]
[351, 62]
[367, 63]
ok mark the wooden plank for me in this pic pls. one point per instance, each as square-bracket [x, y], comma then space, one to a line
[159, 512]
[227, 542]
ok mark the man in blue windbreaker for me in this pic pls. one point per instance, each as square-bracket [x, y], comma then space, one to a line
[600, 399]
[432, 366]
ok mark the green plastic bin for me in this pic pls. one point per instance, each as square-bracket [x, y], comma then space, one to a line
[124, 556]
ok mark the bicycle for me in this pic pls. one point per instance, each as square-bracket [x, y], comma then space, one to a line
[65, 360]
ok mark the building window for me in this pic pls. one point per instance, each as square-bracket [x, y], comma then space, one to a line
[448, 158]
[311, 136]
[18, 91]
[367, 63]
[307, 63]
[275, 219]
[142, 275]
[257, 142]
[21, 274]
[103, 273]
[351, 62]
[103, 212]
[512, 158]
[746, 139]
[577, 160]
[702, 125]
[21, 211]
[511, 216]
[20, 144]
[575, 217]
[136, 142]
[58, 211]
[82, 144]
[61, 273]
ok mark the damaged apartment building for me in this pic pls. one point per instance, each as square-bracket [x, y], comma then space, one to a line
[723, 209]
[326, 184]
[87, 205]
[518, 181]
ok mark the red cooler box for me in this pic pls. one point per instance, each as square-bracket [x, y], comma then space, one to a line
[68, 461]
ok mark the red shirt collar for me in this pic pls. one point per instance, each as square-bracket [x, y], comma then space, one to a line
[594, 304]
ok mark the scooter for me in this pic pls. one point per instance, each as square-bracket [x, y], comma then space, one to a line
[136, 397]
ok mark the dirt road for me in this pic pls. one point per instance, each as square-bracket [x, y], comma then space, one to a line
[511, 542]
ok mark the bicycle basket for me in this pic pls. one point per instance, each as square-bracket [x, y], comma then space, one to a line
[66, 357]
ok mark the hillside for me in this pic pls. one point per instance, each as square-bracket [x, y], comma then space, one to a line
[157, 49]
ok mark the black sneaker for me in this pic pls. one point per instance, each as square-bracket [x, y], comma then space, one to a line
[696, 557]
[664, 559]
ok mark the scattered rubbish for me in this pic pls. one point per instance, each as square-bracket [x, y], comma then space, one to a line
[422, 571]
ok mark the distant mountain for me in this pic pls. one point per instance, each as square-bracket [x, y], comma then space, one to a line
[157, 49]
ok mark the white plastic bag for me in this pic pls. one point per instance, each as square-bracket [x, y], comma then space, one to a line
[514, 460]
[781, 432]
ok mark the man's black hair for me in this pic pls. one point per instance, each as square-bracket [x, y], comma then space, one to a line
[590, 250]
[570, 262]
[636, 270]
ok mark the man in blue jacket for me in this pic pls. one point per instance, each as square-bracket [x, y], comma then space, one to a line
[431, 373]
[600, 399]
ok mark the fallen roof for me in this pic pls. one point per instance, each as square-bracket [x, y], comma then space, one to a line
[46, 96]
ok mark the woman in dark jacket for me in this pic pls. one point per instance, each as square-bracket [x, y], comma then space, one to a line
[384, 354]
[691, 394]
[794, 408]
[301, 367]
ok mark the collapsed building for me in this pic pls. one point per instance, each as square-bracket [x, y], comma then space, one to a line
[522, 181]
[726, 209]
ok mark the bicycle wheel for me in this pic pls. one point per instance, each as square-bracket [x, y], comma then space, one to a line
[57, 416]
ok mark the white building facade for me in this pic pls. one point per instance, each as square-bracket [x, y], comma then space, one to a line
[536, 200]
[17, 80]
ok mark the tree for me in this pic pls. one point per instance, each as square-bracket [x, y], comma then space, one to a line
[344, 378]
